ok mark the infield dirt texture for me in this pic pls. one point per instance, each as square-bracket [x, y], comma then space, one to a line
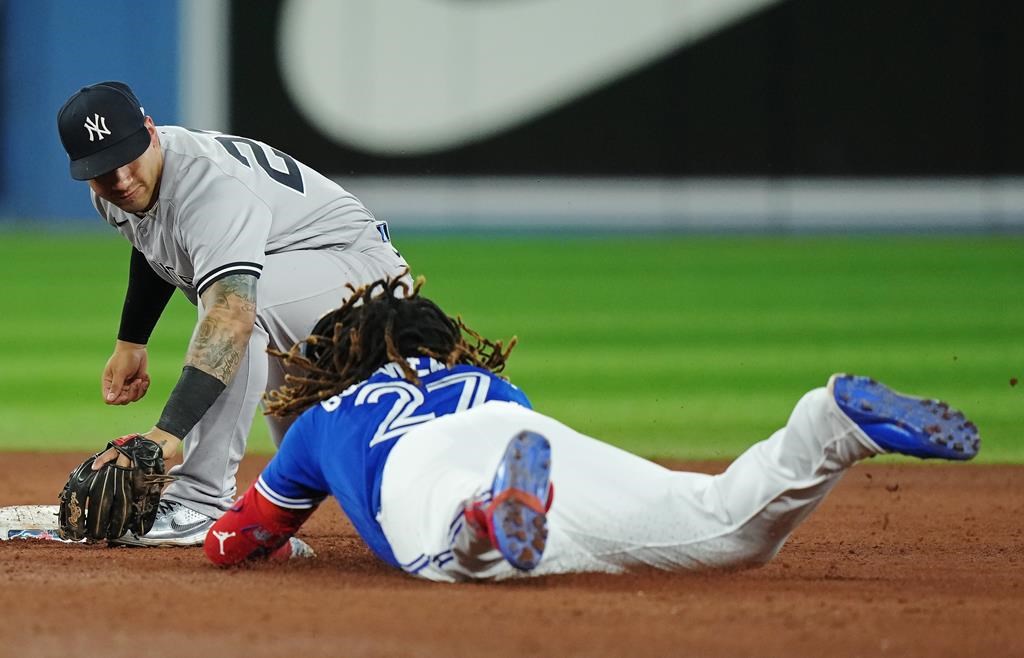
[900, 560]
[681, 348]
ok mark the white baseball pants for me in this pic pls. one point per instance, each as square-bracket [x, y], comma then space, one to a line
[612, 510]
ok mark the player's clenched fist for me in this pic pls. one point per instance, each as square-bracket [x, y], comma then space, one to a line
[125, 378]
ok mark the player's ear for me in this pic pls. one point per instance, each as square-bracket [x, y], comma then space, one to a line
[154, 138]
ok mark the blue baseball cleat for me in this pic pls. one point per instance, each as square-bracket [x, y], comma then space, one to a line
[515, 517]
[905, 424]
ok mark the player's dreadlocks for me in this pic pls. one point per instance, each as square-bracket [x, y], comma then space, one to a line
[382, 322]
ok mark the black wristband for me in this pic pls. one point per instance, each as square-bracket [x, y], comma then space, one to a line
[144, 302]
[192, 397]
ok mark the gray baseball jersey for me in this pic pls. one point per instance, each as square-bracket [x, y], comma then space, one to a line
[225, 202]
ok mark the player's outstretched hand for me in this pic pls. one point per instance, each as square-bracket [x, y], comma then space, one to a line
[125, 378]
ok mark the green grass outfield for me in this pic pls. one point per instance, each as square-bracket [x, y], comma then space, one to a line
[669, 346]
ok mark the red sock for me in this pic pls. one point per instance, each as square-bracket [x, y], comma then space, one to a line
[478, 515]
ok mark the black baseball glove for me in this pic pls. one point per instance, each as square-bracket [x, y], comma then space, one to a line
[104, 504]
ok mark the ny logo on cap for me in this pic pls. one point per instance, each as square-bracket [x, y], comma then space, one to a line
[97, 127]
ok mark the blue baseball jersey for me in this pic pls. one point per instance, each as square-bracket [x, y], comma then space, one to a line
[339, 446]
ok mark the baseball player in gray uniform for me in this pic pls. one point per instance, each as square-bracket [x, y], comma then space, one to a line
[259, 242]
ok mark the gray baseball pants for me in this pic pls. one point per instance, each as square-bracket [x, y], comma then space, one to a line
[295, 290]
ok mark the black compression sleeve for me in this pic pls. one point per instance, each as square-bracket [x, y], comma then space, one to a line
[145, 300]
[193, 395]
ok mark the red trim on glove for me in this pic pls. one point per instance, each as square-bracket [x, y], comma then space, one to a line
[253, 528]
[120, 441]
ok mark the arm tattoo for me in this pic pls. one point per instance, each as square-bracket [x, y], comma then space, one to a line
[235, 291]
[221, 337]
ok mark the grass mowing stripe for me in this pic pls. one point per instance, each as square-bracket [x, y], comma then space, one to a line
[667, 346]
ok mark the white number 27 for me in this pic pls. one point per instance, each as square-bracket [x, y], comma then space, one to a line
[402, 416]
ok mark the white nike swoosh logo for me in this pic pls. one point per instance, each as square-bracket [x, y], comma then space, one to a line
[414, 76]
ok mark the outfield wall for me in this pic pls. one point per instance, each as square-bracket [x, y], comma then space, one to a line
[765, 115]
[755, 205]
[50, 48]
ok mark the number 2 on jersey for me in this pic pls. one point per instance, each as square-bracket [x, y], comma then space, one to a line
[408, 399]
[291, 178]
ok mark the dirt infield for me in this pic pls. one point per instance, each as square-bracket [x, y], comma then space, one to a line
[901, 559]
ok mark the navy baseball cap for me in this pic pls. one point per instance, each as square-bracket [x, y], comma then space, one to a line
[102, 127]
